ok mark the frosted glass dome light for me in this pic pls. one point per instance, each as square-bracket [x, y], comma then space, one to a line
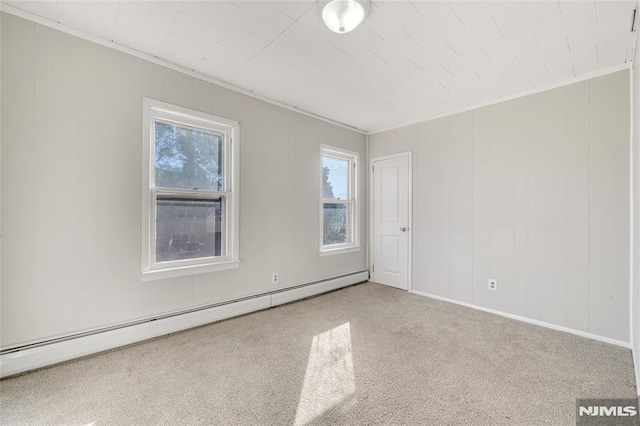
[342, 16]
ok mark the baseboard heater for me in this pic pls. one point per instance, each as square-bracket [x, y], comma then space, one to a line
[28, 357]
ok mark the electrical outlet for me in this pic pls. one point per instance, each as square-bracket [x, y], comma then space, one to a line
[274, 278]
[493, 285]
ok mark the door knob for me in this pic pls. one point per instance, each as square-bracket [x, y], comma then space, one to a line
[403, 229]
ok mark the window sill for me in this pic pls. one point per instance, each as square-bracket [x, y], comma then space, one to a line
[342, 250]
[160, 274]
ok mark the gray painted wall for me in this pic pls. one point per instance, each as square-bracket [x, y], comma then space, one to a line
[72, 182]
[533, 192]
[636, 215]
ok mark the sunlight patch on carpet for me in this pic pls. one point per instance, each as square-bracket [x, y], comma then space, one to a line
[329, 378]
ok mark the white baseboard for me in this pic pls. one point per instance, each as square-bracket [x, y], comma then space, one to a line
[31, 358]
[279, 298]
[529, 320]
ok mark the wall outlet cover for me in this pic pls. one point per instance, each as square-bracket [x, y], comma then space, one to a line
[493, 285]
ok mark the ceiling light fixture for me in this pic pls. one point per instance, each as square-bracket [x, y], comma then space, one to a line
[343, 16]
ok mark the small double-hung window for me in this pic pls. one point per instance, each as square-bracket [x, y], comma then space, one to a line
[190, 196]
[338, 201]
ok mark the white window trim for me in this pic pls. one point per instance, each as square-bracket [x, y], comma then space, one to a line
[150, 269]
[354, 161]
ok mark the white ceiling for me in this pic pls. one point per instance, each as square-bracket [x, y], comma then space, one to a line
[409, 61]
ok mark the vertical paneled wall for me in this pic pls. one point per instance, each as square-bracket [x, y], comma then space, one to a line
[636, 217]
[533, 192]
[72, 182]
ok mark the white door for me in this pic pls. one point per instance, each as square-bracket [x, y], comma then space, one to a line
[390, 221]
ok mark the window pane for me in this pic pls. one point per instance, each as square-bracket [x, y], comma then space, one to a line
[336, 218]
[188, 229]
[335, 178]
[188, 157]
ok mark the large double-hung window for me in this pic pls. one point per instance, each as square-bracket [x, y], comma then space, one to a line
[338, 201]
[190, 202]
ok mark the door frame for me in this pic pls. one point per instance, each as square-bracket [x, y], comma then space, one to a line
[409, 155]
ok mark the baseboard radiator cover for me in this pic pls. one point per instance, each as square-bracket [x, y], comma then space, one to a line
[290, 294]
[29, 357]
[528, 320]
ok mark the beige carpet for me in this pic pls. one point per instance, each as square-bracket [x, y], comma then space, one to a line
[368, 354]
